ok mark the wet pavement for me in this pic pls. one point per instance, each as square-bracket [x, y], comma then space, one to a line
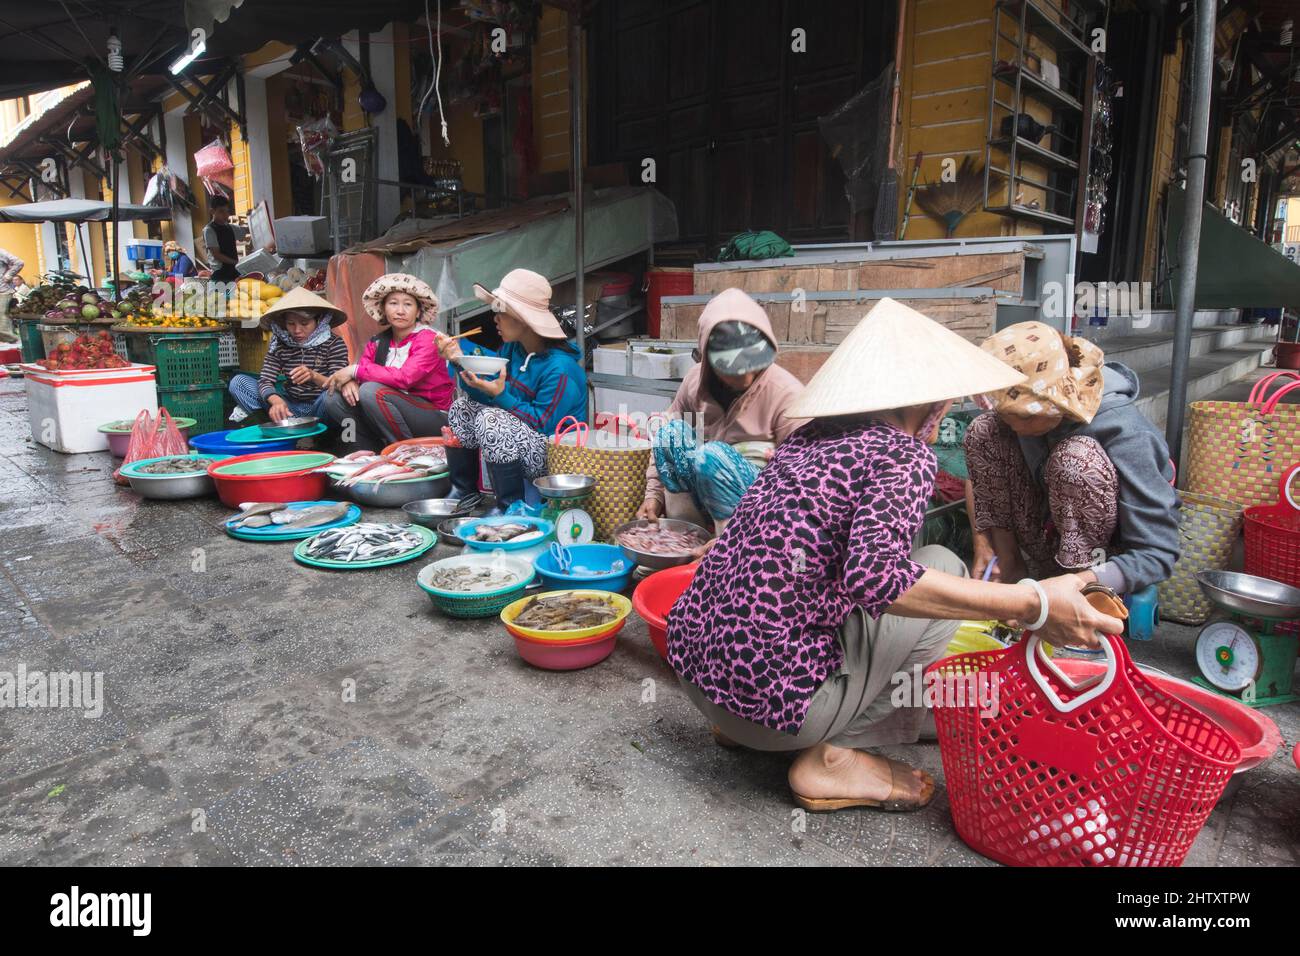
[230, 733]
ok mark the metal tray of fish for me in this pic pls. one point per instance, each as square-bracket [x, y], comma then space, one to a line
[274, 521]
[365, 545]
[507, 532]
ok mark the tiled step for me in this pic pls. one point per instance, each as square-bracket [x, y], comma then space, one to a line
[1145, 350]
[1207, 374]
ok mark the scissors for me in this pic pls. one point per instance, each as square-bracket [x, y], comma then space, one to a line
[560, 554]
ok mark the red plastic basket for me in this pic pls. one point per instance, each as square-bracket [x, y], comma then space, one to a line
[1272, 533]
[1111, 771]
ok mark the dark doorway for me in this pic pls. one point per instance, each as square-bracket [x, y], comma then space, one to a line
[717, 96]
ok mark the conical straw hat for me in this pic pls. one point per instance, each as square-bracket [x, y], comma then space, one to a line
[896, 357]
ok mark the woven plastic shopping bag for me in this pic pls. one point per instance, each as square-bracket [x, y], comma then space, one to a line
[1238, 450]
[1208, 529]
[616, 459]
[1074, 763]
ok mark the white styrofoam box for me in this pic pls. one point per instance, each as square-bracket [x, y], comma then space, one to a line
[609, 361]
[260, 261]
[683, 362]
[613, 401]
[301, 235]
[65, 409]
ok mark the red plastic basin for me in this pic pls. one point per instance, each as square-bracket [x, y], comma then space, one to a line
[299, 484]
[1254, 732]
[566, 655]
[654, 598]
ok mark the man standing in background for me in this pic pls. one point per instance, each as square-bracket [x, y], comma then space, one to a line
[219, 236]
[10, 266]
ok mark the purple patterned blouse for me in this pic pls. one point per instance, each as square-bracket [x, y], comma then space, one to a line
[827, 525]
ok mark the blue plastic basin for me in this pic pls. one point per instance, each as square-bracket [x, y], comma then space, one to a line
[215, 443]
[594, 557]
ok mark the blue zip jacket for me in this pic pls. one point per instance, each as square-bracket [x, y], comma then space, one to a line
[541, 389]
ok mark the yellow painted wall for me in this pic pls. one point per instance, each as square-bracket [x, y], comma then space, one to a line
[277, 129]
[947, 65]
[23, 240]
[551, 91]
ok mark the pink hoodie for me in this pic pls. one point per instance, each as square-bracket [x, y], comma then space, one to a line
[423, 374]
[759, 414]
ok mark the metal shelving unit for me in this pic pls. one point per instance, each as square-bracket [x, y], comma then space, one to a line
[1070, 105]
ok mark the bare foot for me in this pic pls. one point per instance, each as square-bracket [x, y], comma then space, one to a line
[828, 772]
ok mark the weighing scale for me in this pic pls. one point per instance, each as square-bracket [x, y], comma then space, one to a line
[566, 498]
[1247, 656]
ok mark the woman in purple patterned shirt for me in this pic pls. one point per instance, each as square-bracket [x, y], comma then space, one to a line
[807, 618]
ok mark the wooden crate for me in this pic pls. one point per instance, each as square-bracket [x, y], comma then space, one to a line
[826, 322]
[1003, 271]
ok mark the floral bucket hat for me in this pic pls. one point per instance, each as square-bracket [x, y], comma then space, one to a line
[377, 291]
[1064, 373]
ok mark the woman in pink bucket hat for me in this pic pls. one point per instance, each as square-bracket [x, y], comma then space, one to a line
[508, 417]
[400, 388]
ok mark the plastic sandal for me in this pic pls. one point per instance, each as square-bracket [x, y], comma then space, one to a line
[894, 803]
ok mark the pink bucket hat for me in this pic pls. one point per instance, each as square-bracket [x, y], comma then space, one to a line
[527, 296]
[377, 291]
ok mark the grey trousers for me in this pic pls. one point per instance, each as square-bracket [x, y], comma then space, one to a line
[855, 707]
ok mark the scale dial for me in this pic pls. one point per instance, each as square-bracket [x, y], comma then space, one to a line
[1227, 656]
[574, 526]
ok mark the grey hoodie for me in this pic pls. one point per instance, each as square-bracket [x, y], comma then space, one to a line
[1147, 536]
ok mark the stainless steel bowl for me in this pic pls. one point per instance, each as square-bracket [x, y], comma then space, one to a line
[290, 426]
[430, 512]
[1251, 595]
[564, 486]
[652, 559]
[394, 494]
[448, 527]
[172, 487]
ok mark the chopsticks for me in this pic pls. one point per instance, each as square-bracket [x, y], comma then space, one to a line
[473, 331]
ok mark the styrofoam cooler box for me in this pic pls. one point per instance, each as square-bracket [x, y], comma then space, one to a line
[613, 401]
[65, 409]
[301, 235]
[610, 361]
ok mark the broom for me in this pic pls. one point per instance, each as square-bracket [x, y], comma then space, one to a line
[951, 202]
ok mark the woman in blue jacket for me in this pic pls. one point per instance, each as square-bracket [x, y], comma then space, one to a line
[510, 416]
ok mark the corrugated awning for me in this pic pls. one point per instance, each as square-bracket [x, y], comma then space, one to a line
[1234, 270]
[80, 210]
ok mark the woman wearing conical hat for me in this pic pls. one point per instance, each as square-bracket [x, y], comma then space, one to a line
[813, 605]
[304, 353]
[1066, 473]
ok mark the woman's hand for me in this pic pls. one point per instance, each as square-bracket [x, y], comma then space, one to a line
[448, 347]
[984, 555]
[278, 409]
[1071, 620]
[338, 380]
[489, 386]
[652, 509]
[351, 392]
[301, 375]
[702, 550]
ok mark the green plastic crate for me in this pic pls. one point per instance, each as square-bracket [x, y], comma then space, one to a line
[29, 336]
[203, 403]
[182, 358]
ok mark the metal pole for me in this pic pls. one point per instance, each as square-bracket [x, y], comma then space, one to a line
[575, 164]
[1189, 243]
[117, 240]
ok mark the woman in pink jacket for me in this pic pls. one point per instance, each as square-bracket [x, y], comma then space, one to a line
[401, 387]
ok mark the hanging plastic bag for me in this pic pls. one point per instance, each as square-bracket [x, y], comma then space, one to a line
[446, 291]
[212, 159]
[315, 138]
[152, 438]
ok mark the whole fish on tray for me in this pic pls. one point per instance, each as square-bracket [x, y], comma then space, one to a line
[565, 612]
[363, 542]
[470, 579]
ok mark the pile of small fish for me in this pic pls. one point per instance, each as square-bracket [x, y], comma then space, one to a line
[652, 539]
[511, 531]
[363, 542]
[261, 514]
[565, 612]
[412, 461]
[472, 578]
[174, 466]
